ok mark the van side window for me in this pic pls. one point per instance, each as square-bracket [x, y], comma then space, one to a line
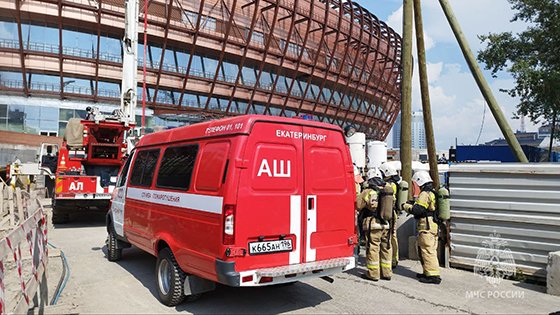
[211, 169]
[122, 176]
[144, 167]
[176, 167]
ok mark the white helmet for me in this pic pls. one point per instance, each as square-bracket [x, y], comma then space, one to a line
[374, 172]
[421, 178]
[388, 170]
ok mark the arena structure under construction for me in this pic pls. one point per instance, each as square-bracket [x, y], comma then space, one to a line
[327, 60]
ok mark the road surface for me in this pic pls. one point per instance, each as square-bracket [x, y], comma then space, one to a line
[99, 286]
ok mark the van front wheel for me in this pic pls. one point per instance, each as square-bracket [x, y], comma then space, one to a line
[170, 278]
[113, 252]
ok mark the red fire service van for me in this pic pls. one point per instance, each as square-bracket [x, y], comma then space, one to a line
[244, 201]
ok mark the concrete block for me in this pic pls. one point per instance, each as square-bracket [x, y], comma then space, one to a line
[553, 274]
[412, 248]
[405, 229]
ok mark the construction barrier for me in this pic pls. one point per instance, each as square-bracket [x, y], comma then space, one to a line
[33, 233]
[505, 215]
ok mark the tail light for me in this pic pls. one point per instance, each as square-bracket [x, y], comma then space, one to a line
[229, 221]
[265, 280]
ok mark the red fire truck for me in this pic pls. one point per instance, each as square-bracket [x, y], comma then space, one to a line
[87, 165]
[94, 148]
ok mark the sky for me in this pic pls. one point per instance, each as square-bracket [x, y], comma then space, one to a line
[457, 104]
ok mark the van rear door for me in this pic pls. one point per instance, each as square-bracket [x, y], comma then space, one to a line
[329, 200]
[269, 204]
[294, 203]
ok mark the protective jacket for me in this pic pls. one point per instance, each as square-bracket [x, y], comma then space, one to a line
[423, 210]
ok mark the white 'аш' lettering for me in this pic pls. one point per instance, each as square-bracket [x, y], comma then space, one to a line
[280, 168]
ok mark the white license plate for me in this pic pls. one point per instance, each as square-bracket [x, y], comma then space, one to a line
[256, 248]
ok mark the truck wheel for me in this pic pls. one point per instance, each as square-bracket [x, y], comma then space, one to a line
[113, 252]
[170, 278]
[60, 216]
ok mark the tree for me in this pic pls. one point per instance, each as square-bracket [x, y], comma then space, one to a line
[532, 57]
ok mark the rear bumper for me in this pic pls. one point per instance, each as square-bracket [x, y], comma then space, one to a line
[85, 196]
[283, 274]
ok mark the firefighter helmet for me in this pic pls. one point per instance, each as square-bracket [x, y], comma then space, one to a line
[388, 170]
[421, 178]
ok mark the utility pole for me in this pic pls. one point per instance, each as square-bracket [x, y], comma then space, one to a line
[425, 91]
[482, 84]
[406, 96]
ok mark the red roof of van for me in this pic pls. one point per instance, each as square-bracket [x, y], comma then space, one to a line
[227, 126]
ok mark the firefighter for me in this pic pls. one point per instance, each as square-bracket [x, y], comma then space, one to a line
[391, 177]
[376, 230]
[358, 180]
[424, 211]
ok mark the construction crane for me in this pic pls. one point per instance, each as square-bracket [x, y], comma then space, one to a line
[95, 148]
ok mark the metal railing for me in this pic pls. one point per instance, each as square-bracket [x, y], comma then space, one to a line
[53, 49]
[53, 87]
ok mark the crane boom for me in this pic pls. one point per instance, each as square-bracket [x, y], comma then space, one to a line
[130, 63]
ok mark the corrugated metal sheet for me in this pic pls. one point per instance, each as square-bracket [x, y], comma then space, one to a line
[519, 202]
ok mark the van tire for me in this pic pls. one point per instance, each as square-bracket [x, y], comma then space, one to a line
[113, 252]
[175, 281]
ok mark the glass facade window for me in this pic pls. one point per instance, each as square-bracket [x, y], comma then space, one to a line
[190, 18]
[110, 49]
[182, 61]
[154, 55]
[16, 118]
[191, 100]
[294, 49]
[29, 119]
[39, 34]
[210, 24]
[257, 38]
[81, 41]
[3, 116]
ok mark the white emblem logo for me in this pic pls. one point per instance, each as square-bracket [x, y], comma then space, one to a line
[494, 262]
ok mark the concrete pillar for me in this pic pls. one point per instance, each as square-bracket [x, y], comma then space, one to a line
[553, 274]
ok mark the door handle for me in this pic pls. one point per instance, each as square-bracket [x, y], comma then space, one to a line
[311, 203]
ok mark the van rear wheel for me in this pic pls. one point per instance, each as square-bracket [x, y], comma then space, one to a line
[170, 278]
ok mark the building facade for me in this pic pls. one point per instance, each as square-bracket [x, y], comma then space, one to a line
[329, 59]
[418, 131]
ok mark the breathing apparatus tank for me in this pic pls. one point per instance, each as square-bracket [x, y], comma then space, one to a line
[386, 198]
[443, 207]
[402, 196]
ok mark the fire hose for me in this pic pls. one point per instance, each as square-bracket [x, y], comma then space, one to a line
[63, 277]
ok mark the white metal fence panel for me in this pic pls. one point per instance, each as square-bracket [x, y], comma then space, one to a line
[520, 202]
